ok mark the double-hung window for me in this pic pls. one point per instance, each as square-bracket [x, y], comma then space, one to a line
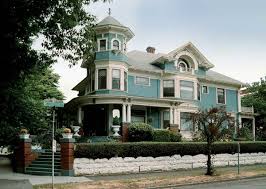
[220, 96]
[205, 89]
[102, 79]
[187, 90]
[168, 88]
[116, 79]
[102, 44]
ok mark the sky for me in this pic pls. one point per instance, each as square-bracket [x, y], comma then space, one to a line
[230, 33]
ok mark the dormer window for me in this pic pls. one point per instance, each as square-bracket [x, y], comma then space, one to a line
[102, 45]
[116, 45]
[183, 66]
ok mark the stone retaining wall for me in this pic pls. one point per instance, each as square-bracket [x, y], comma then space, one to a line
[86, 166]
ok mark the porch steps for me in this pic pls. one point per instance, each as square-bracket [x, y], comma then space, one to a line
[43, 164]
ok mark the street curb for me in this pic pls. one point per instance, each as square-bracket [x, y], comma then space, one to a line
[211, 182]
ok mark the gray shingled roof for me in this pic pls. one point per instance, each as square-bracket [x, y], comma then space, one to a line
[217, 77]
[141, 60]
[109, 20]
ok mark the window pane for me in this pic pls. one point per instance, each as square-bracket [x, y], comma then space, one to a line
[125, 81]
[116, 79]
[186, 90]
[205, 89]
[166, 119]
[221, 96]
[116, 45]
[142, 80]
[168, 88]
[186, 122]
[102, 45]
[102, 79]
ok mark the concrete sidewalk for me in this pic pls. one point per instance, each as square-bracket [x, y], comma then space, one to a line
[6, 173]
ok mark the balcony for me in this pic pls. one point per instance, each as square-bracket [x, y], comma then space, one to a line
[247, 110]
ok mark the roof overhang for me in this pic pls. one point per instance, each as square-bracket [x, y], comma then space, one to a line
[102, 28]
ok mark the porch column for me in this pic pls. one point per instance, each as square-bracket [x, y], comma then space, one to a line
[124, 113]
[175, 116]
[129, 113]
[79, 115]
[171, 115]
[254, 129]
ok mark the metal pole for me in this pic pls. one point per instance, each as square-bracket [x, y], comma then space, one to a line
[53, 149]
[238, 151]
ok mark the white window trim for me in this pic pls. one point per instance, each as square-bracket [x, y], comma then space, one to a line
[106, 44]
[120, 44]
[182, 62]
[202, 91]
[124, 81]
[120, 87]
[174, 88]
[135, 80]
[105, 81]
[195, 97]
[217, 96]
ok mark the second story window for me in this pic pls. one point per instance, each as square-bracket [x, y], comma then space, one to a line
[187, 90]
[115, 79]
[125, 81]
[116, 45]
[205, 89]
[102, 79]
[102, 45]
[198, 91]
[168, 88]
[142, 80]
[220, 96]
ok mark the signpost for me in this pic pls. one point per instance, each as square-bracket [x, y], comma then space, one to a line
[53, 103]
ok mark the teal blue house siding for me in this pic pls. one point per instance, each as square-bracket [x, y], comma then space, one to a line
[111, 92]
[152, 91]
[169, 66]
[200, 72]
[231, 100]
[208, 100]
[109, 55]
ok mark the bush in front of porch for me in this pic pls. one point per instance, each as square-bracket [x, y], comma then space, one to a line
[163, 135]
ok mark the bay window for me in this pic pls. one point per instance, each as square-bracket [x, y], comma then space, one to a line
[125, 81]
[186, 123]
[116, 79]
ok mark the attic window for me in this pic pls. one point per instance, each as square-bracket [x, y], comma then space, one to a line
[183, 66]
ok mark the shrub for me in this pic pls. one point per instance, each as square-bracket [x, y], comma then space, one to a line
[163, 135]
[156, 149]
[139, 132]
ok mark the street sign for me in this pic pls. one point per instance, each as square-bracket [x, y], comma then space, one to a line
[52, 102]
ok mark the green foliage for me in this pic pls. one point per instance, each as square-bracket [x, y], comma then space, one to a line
[156, 149]
[245, 134]
[211, 125]
[140, 132]
[256, 97]
[162, 135]
[116, 121]
[26, 109]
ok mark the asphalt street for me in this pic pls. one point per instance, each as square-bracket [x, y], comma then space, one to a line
[256, 183]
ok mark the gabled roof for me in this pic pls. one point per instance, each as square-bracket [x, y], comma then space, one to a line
[81, 85]
[195, 51]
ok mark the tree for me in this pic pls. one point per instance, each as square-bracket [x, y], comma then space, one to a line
[212, 123]
[256, 97]
[67, 32]
[25, 105]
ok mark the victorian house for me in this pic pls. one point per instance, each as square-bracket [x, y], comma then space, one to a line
[159, 89]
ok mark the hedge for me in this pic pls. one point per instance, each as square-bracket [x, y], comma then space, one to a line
[156, 149]
[163, 135]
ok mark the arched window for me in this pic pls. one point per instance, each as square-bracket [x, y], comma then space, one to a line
[116, 44]
[182, 66]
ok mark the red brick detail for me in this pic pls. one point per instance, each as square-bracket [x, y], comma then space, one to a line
[67, 155]
[125, 132]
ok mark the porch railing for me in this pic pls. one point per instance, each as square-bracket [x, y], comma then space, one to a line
[247, 109]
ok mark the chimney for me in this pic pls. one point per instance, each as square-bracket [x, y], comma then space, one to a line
[150, 50]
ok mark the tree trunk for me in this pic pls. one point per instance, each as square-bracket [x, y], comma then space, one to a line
[209, 162]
